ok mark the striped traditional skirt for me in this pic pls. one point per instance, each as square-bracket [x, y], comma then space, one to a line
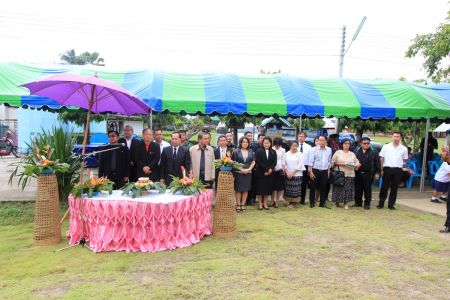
[293, 189]
[345, 192]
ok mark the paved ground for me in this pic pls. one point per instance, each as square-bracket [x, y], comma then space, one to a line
[13, 192]
[411, 198]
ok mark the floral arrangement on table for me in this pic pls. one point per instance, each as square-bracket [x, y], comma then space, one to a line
[188, 185]
[142, 186]
[93, 186]
[227, 164]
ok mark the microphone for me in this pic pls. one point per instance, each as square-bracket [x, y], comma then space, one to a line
[112, 145]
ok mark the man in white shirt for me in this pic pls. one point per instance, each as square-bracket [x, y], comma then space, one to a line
[319, 171]
[159, 139]
[131, 149]
[393, 158]
[304, 148]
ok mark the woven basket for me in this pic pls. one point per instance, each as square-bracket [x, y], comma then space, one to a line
[47, 229]
[224, 222]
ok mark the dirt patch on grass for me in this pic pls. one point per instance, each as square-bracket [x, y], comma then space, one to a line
[56, 291]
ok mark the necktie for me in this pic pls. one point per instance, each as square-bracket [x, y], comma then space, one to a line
[174, 153]
[221, 153]
[301, 147]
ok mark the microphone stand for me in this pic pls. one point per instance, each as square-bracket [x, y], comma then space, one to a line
[82, 242]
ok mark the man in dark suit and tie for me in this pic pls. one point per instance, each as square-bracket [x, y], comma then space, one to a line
[114, 163]
[173, 158]
[148, 155]
[132, 145]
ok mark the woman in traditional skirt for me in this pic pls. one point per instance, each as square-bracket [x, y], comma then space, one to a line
[278, 180]
[243, 177]
[294, 167]
[266, 159]
[346, 161]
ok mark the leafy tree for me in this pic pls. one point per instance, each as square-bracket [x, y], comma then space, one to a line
[70, 57]
[78, 116]
[435, 48]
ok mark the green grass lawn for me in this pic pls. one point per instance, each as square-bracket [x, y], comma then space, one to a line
[285, 254]
[382, 139]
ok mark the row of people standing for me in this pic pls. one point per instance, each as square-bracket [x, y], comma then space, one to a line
[303, 166]
[155, 158]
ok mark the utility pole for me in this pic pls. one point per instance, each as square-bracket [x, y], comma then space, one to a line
[344, 51]
[341, 56]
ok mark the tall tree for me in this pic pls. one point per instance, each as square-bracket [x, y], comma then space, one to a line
[435, 48]
[70, 57]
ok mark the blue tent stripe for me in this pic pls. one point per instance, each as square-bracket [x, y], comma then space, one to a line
[372, 101]
[300, 96]
[443, 91]
[37, 101]
[224, 100]
[153, 95]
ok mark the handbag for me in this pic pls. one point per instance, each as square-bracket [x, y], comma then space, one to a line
[337, 178]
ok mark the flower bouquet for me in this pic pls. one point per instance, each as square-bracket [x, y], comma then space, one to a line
[38, 163]
[141, 187]
[93, 186]
[188, 185]
[227, 164]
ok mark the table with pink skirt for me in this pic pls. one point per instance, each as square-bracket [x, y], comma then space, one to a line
[154, 222]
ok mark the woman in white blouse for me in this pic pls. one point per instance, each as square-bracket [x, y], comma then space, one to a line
[278, 180]
[294, 167]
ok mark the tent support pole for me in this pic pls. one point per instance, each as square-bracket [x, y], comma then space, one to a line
[151, 119]
[414, 136]
[424, 157]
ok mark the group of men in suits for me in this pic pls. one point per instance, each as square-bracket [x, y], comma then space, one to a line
[155, 158]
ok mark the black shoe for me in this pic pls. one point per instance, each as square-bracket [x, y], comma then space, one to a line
[435, 201]
[312, 205]
[380, 206]
[324, 206]
[302, 202]
[356, 205]
[445, 230]
[366, 207]
[443, 199]
[392, 207]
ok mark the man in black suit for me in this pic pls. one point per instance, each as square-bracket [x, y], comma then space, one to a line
[114, 163]
[173, 158]
[148, 155]
[132, 145]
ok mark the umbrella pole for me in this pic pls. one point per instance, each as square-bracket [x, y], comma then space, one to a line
[83, 148]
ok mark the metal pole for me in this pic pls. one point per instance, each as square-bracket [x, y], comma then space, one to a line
[414, 136]
[424, 157]
[151, 119]
[299, 125]
[341, 56]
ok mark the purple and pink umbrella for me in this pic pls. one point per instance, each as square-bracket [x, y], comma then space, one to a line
[88, 92]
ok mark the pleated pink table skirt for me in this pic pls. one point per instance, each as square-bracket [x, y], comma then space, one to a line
[148, 224]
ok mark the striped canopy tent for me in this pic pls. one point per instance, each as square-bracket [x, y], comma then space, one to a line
[218, 93]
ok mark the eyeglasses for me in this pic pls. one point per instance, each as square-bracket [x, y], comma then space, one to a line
[366, 143]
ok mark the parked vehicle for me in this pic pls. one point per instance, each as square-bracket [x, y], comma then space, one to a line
[8, 145]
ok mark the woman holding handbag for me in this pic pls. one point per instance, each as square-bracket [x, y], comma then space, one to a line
[344, 160]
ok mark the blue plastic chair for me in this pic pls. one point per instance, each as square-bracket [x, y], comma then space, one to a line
[412, 165]
[433, 167]
[380, 182]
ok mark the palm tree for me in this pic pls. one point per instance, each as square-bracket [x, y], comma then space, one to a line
[69, 57]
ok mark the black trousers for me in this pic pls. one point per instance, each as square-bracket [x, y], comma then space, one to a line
[391, 179]
[305, 181]
[363, 185]
[447, 222]
[319, 184]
